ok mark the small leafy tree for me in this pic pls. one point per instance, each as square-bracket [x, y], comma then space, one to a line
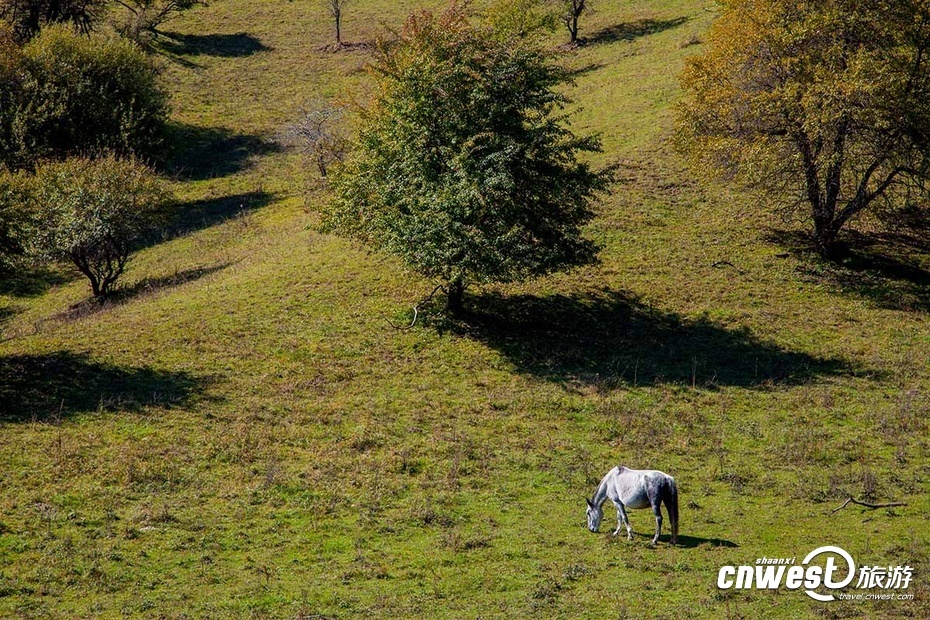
[817, 104]
[570, 11]
[77, 95]
[93, 211]
[145, 17]
[521, 18]
[28, 17]
[463, 166]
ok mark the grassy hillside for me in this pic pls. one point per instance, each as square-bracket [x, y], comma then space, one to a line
[246, 436]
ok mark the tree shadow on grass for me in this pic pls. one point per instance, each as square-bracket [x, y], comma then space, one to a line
[882, 268]
[691, 542]
[56, 385]
[609, 339]
[201, 153]
[588, 68]
[630, 31]
[6, 314]
[236, 45]
[146, 286]
[197, 215]
[33, 281]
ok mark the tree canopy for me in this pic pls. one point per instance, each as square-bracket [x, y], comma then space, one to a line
[65, 94]
[93, 212]
[463, 166]
[522, 18]
[823, 104]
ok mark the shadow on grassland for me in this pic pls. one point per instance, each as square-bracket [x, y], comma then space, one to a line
[6, 313]
[630, 31]
[33, 281]
[64, 383]
[188, 217]
[609, 339]
[884, 268]
[125, 294]
[691, 542]
[236, 45]
[201, 153]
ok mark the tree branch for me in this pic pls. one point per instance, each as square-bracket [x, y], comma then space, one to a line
[863, 199]
[416, 309]
[853, 500]
[810, 170]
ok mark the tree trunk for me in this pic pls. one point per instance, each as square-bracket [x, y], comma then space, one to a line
[338, 17]
[33, 23]
[94, 284]
[573, 29]
[456, 296]
[825, 234]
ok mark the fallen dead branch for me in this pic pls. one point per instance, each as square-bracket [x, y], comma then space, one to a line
[416, 309]
[853, 500]
[725, 263]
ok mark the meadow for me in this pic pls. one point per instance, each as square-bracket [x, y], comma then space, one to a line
[245, 435]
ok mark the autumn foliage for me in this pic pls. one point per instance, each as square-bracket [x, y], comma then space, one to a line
[822, 105]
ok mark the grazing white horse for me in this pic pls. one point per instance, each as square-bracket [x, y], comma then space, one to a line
[635, 488]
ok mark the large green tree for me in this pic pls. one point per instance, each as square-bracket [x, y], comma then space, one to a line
[463, 165]
[10, 94]
[816, 104]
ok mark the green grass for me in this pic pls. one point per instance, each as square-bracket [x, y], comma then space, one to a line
[245, 436]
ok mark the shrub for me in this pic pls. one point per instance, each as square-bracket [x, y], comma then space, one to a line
[319, 135]
[14, 219]
[522, 18]
[84, 95]
[93, 212]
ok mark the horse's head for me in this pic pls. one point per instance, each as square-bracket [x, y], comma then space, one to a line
[595, 514]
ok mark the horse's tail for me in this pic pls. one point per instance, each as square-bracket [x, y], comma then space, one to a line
[671, 505]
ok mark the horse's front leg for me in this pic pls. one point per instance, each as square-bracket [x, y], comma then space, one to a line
[622, 520]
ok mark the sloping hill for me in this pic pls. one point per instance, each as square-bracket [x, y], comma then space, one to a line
[246, 436]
